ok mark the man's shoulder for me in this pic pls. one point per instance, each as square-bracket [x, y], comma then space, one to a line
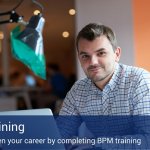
[133, 72]
[133, 69]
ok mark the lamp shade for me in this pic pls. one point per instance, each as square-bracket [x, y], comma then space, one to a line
[27, 45]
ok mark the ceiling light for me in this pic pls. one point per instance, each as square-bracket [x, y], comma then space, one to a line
[36, 12]
[65, 34]
[72, 11]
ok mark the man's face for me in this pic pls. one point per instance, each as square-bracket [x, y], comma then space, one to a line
[98, 58]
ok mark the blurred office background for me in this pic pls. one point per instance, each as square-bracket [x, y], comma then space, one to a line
[21, 89]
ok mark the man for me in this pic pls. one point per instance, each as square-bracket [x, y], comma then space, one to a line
[110, 89]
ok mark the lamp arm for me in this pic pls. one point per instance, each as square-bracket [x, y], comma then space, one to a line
[14, 17]
[4, 22]
[3, 14]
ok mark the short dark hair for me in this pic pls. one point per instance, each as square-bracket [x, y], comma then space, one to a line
[94, 30]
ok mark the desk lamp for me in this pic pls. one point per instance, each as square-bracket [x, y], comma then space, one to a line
[27, 44]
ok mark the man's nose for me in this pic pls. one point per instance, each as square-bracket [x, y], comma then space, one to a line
[94, 60]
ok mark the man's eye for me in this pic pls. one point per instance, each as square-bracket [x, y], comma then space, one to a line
[84, 57]
[101, 53]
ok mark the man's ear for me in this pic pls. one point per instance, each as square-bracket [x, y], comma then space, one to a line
[118, 54]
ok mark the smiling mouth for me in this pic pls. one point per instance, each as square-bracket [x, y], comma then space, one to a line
[96, 69]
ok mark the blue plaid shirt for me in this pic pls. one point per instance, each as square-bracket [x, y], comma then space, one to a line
[126, 94]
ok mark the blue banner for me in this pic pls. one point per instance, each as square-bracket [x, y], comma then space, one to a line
[74, 132]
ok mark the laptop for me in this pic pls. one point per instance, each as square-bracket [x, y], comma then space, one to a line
[29, 112]
[38, 130]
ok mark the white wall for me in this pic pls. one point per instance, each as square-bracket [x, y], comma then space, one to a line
[114, 13]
